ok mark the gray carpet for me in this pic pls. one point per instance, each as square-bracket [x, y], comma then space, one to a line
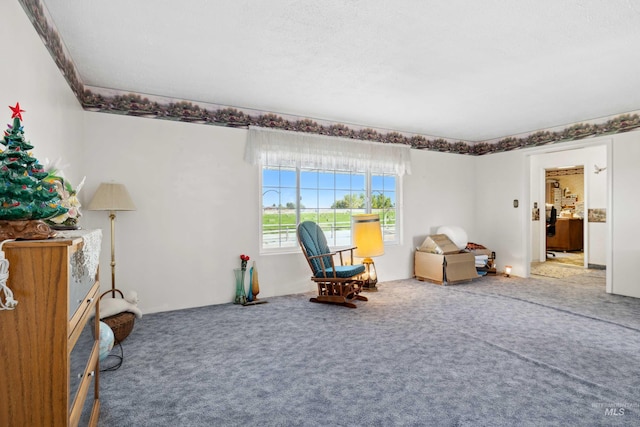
[494, 352]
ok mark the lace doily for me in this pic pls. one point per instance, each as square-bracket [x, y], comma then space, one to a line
[85, 262]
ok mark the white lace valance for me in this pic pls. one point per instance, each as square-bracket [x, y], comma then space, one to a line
[295, 149]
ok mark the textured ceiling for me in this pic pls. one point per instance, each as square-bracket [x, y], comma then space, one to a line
[468, 70]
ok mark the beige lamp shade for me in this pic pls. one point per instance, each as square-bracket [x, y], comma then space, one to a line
[367, 235]
[111, 197]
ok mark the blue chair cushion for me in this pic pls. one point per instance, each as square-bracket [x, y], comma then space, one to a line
[312, 237]
[342, 271]
[315, 243]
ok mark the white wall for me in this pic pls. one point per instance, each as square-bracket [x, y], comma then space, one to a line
[595, 193]
[500, 180]
[625, 173]
[197, 211]
[179, 247]
[503, 177]
[597, 185]
[440, 191]
[53, 117]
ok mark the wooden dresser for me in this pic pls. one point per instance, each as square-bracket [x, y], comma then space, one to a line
[49, 369]
[569, 235]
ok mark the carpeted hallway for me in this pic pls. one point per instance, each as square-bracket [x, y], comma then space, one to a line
[561, 265]
[569, 258]
[493, 352]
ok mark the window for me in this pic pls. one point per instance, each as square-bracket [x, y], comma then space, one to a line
[310, 177]
[293, 195]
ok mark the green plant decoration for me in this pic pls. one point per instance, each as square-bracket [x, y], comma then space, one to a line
[24, 194]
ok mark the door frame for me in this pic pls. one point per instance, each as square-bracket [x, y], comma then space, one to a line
[585, 223]
[540, 177]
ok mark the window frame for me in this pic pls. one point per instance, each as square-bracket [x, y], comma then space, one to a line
[368, 197]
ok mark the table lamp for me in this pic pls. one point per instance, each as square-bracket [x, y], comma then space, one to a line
[367, 238]
[112, 197]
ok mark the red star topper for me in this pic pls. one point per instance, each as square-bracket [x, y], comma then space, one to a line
[16, 111]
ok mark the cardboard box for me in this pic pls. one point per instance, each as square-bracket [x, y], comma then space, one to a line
[438, 244]
[447, 267]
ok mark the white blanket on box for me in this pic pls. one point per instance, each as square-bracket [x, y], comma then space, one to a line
[482, 260]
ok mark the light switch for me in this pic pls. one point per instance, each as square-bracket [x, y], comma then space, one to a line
[515, 203]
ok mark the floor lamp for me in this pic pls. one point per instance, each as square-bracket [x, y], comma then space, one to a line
[112, 197]
[367, 238]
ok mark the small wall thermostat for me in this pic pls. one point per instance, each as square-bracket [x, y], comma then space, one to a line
[515, 203]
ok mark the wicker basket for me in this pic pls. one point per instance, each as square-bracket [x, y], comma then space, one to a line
[122, 323]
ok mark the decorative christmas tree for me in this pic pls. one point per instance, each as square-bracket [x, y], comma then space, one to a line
[24, 195]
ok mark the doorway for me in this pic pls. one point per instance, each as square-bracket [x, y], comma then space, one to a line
[577, 190]
[564, 215]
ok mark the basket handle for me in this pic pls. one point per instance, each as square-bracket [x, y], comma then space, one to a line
[114, 290]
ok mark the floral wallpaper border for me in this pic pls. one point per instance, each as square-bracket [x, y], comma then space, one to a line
[133, 104]
[565, 172]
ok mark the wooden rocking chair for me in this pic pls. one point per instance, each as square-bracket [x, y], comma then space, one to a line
[337, 284]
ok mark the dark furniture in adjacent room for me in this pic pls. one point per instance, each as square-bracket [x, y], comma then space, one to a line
[569, 235]
[552, 217]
